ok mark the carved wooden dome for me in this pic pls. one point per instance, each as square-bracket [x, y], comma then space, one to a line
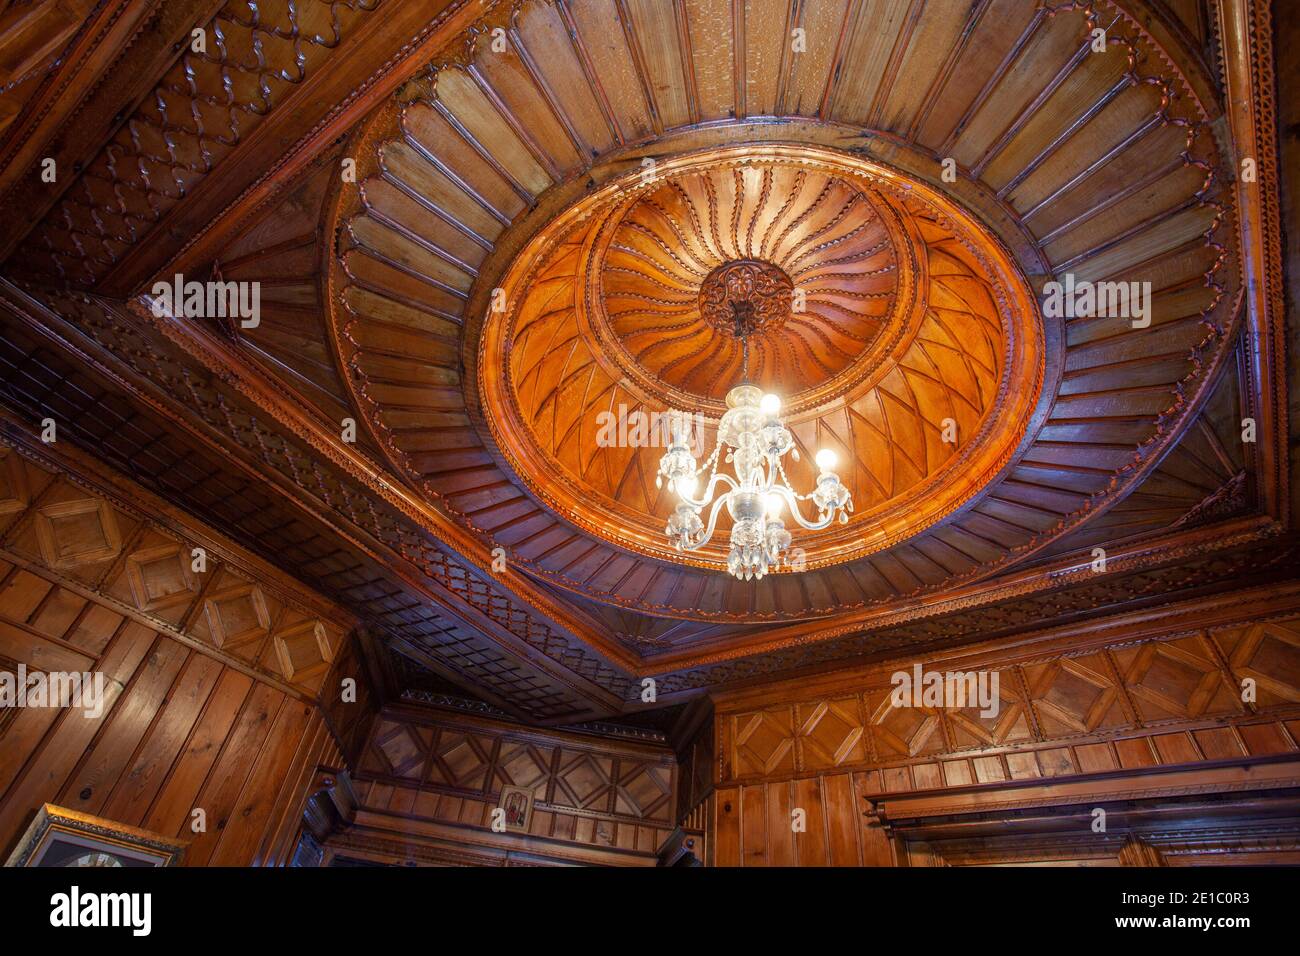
[499, 277]
[890, 324]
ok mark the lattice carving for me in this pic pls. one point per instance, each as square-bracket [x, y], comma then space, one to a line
[205, 106]
[1133, 703]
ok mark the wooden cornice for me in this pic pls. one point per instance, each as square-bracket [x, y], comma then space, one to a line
[390, 47]
[426, 716]
[1072, 569]
[1185, 618]
[1261, 774]
[1246, 44]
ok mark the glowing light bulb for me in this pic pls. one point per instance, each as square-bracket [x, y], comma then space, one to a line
[686, 486]
[826, 459]
[772, 503]
[769, 404]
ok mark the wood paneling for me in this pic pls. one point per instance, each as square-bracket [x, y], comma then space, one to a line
[1072, 157]
[1111, 165]
[180, 731]
[191, 122]
[211, 677]
[910, 329]
[1074, 724]
[426, 774]
[115, 557]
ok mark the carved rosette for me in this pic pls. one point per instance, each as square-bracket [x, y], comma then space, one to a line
[758, 294]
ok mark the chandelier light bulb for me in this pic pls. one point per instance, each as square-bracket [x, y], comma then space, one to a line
[826, 459]
[770, 404]
[772, 504]
[686, 486]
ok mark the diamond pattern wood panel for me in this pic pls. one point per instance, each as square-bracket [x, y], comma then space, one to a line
[77, 532]
[1135, 702]
[456, 755]
[1267, 653]
[161, 577]
[209, 102]
[144, 567]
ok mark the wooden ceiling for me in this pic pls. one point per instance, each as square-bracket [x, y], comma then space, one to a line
[597, 160]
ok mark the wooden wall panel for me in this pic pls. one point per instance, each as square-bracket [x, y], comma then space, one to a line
[207, 703]
[1083, 719]
[428, 779]
[180, 731]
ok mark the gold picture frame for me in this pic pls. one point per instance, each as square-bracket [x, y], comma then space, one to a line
[60, 837]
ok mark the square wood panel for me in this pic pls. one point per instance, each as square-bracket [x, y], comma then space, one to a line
[72, 533]
[830, 733]
[401, 749]
[764, 742]
[237, 615]
[14, 493]
[160, 577]
[1267, 653]
[303, 650]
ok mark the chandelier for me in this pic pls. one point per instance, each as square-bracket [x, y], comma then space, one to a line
[739, 298]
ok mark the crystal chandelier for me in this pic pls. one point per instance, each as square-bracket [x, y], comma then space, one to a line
[754, 441]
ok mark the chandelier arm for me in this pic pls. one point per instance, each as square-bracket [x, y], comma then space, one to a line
[793, 501]
[781, 466]
[704, 500]
[708, 529]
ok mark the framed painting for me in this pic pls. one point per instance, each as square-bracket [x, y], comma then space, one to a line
[518, 805]
[59, 837]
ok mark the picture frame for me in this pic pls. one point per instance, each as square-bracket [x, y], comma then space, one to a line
[60, 837]
[517, 803]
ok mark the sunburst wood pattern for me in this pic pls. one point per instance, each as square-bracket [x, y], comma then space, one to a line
[1104, 165]
[821, 232]
[938, 368]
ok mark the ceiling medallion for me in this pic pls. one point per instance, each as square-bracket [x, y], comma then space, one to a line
[755, 295]
[760, 290]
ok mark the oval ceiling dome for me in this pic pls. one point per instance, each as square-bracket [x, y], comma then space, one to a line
[889, 322]
[549, 235]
